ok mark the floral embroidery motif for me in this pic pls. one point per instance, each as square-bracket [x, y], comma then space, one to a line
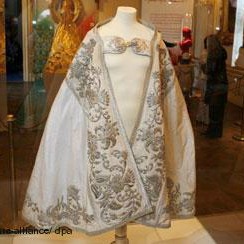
[166, 71]
[179, 202]
[89, 90]
[117, 45]
[63, 210]
[140, 46]
[114, 45]
[112, 183]
[150, 136]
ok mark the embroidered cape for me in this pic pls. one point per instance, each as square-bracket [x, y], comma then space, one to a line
[88, 175]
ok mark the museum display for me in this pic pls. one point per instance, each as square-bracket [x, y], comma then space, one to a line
[129, 142]
[185, 45]
[118, 144]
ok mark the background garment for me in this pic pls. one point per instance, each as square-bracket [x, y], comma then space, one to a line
[217, 83]
[217, 91]
[88, 175]
[216, 115]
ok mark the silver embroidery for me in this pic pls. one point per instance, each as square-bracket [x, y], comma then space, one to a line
[70, 209]
[179, 202]
[150, 136]
[89, 90]
[117, 45]
[166, 71]
[140, 46]
[112, 183]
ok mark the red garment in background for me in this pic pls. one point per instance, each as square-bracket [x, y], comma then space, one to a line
[85, 25]
[185, 45]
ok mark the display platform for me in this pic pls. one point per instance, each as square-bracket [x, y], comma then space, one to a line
[226, 228]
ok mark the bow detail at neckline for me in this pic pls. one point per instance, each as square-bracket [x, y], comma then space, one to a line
[118, 45]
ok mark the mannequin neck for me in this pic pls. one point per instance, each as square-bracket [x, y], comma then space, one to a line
[125, 25]
[125, 16]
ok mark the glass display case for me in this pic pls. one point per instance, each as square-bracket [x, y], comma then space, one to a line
[38, 43]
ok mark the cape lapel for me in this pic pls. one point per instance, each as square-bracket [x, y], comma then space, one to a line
[114, 181]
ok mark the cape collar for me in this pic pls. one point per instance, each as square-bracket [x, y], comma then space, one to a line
[118, 45]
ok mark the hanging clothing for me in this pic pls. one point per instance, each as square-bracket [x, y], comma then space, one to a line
[88, 174]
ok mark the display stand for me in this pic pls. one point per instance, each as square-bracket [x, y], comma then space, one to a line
[14, 204]
[240, 91]
[241, 136]
[186, 77]
[121, 235]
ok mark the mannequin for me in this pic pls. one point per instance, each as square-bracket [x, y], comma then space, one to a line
[123, 75]
[126, 74]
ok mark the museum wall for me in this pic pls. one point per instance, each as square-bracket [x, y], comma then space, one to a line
[240, 61]
[203, 14]
[233, 97]
[43, 5]
[108, 7]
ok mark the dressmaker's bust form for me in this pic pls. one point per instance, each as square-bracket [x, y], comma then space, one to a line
[127, 70]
